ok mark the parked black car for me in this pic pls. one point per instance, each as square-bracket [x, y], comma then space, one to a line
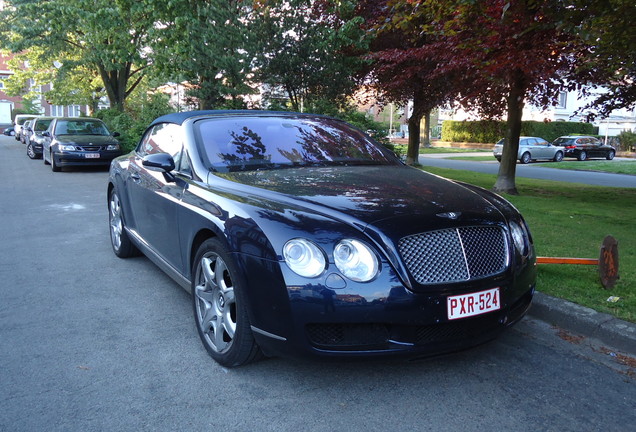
[33, 136]
[9, 131]
[585, 147]
[298, 234]
[78, 141]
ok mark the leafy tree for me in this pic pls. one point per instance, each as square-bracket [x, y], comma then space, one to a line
[607, 26]
[104, 38]
[305, 49]
[207, 44]
[69, 85]
[405, 65]
[502, 53]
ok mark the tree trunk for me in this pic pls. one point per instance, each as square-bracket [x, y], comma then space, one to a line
[426, 133]
[112, 84]
[507, 169]
[413, 150]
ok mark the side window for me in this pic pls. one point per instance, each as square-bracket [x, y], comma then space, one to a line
[148, 144]
[164, 138]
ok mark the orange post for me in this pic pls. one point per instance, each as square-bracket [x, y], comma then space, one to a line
[556, 260]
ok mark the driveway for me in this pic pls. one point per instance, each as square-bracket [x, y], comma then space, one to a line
[90, 342]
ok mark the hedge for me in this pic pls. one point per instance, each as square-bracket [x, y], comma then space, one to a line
[491, 131]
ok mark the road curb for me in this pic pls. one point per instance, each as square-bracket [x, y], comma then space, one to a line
[618, 334]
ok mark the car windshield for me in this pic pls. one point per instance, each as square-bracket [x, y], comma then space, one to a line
[81, 127]
[251, 143]
[42, 125]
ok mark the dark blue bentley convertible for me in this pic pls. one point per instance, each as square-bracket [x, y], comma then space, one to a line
[298, 234]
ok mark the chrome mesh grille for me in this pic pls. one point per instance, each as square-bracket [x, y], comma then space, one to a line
[454, 255]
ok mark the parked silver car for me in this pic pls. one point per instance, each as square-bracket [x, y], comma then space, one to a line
[532, 148]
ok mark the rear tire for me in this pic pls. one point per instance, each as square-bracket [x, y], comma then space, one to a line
[558, 157]
[582, 156]
[119, 240]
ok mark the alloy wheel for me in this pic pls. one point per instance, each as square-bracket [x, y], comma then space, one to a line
[215, 303]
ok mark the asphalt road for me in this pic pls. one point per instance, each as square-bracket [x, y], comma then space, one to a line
[532, 171]
[90, 342]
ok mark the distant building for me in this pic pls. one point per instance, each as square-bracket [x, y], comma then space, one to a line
[8, 104]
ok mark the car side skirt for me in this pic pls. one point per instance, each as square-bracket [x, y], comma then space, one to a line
[158, 260]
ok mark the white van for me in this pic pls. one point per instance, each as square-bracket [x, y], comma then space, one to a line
[19, 121]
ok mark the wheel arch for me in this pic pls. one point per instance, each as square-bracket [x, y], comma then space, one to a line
[201, 236]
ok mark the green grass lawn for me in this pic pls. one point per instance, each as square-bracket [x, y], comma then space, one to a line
[613, 166]
[571, 220]
[490, 158]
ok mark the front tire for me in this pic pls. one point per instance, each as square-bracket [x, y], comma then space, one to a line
[119, 240]
[54, 166]
[558, 157]
[31, 152]
[525, 158]
[220, 312]
[582, 156]
[610, 155]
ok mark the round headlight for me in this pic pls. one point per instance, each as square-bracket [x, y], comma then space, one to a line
[519, 238]
[304, 257]
[355, 260]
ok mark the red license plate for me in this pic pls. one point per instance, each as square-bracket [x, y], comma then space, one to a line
[91, 155]
[467, 305]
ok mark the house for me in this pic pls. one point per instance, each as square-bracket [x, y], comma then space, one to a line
[8, 104]
[567, 109]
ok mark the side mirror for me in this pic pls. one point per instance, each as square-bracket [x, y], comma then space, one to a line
[46, 134]
[161, 162]
[116, 134]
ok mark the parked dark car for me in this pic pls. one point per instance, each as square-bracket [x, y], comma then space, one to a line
[585, 147]
[10, 131]
[78, 141]
[34, 138]
[299, 235]
[531, 148]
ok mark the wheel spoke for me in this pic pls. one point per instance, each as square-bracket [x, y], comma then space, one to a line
[204, 295]
[228, 324]
[208, 274]
[219, 274]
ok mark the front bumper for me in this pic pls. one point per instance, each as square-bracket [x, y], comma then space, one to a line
[374, 319]
[84, 158]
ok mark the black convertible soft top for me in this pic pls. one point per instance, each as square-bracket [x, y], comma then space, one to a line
[180, 117]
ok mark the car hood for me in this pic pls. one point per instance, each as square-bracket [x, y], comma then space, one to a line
[86, 139]
[394, 198]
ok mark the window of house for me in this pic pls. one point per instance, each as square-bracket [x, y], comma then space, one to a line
[74, 111]
[563, 99]
[57, 110]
